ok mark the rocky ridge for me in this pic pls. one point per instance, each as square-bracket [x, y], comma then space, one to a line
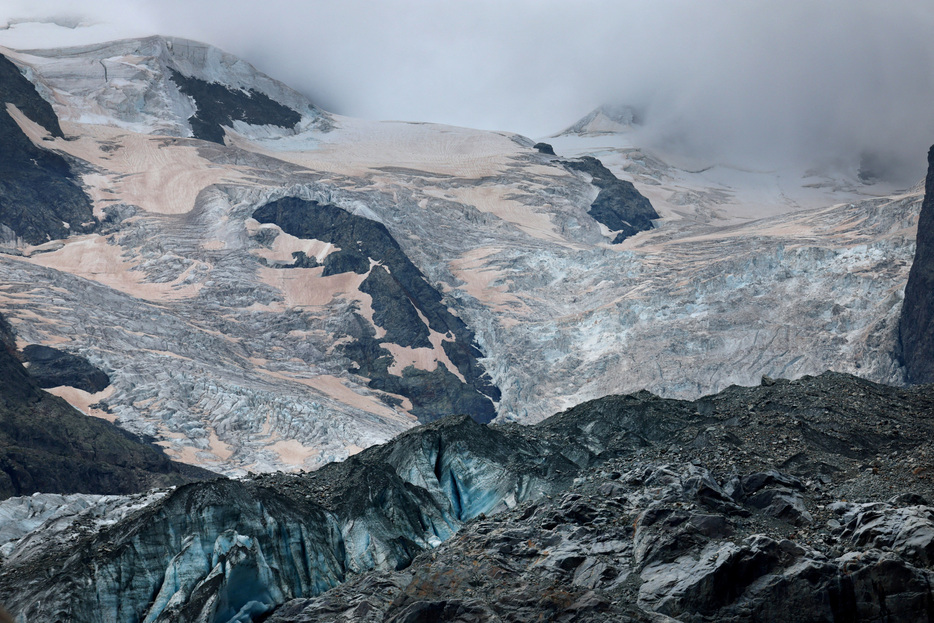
[916, 338]
[400, 298]
[813, 492]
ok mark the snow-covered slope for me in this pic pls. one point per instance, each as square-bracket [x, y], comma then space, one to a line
[707, 190]
[128, 84]
[247, 343]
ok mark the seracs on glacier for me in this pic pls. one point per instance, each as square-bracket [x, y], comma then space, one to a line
[229, 350]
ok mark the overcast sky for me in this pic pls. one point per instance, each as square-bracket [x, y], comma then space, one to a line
[748, 82]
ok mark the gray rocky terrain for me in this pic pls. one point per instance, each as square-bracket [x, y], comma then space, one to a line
[811, 495]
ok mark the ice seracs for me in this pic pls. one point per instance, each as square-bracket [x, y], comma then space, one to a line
[238, 354]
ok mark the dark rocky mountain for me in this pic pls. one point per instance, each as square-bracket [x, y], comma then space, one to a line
[618, 205]
[807, 499]
[39, 197]
[220, 106]
[916, 326]
[401, 297]
[46, 445]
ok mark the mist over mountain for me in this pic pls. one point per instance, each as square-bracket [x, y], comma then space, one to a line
[755, 85]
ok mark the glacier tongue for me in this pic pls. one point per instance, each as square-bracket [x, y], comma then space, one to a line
[225, 549]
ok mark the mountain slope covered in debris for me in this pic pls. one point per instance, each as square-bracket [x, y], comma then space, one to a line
[817, 491]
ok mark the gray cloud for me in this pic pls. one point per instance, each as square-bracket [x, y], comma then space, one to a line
[758, 84]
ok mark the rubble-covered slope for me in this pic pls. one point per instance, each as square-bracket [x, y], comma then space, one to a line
[813, 492]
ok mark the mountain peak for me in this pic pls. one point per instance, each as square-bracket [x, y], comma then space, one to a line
[132, 84]
[606, 119]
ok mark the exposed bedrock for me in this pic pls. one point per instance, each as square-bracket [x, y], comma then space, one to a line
[218, 106]
[618, 205]
[916, 326]
[39, 198]
[405, 306]
[726, 508]
[544, 148]
[50, 367]
[15, 89]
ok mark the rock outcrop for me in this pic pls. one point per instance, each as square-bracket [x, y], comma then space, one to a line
[619, 206]
[405, 307]
[51, 367]
[916, 326]
[40, 198]
[219, 106]
[812, 494]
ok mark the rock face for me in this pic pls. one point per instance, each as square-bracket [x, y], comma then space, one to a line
[916, 327]
[627, 508]
[40, 198]
[50, 367]
[400, 297]
[618, 205]
[47, 446]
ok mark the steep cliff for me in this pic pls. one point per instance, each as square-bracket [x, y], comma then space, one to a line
[40, 197]
[916, 326]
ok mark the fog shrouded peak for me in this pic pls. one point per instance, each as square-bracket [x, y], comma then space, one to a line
[837, 83]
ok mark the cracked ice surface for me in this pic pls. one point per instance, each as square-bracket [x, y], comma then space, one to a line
[233, 362]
